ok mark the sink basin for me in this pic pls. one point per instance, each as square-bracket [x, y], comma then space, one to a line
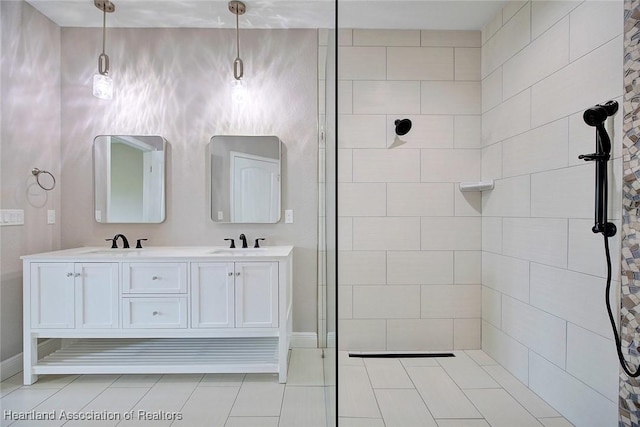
[239, 251]
[116, 252]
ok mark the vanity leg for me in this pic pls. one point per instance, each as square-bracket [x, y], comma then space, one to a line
[30, 358]
[283, 358]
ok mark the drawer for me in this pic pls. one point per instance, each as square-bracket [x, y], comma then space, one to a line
[160, 312]
[154, 278]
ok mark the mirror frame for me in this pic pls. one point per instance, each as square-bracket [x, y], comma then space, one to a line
[161, 145]
[211, 146]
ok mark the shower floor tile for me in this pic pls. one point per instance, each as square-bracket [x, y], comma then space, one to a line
[469, 391]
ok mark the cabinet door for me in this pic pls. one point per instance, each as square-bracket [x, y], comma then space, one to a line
[212, 295]
[96, 295]
[52, 289]
[256, 294]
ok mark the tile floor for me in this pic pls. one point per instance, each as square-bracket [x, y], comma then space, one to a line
[470, 390]
[211, 400]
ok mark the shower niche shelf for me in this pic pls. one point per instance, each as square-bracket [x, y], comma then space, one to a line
[471, 186]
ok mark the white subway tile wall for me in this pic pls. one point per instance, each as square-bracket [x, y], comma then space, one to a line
[515, 270]
[410, 262]
[544, 319]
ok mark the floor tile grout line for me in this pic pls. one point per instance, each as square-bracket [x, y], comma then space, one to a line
[416, 388]
[96, 397]
[462, 391]
[141, 397]
[373, 391]
[518, 401]
[195, 387]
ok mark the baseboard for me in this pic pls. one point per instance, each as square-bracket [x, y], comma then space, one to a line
[304, 340]
[13, 365]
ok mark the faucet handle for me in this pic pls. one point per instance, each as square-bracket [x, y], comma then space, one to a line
[139, 243]
[233, 243]
[114, 244]
[257, 245]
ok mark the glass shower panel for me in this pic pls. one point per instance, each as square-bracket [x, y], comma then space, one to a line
[327, 215]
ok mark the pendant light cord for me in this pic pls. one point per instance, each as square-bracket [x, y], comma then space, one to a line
[237, 8]
[237, 37]
[104, 29]
[103, 58]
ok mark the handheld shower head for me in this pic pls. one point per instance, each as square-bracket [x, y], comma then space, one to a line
[402, 126]
[597, 114]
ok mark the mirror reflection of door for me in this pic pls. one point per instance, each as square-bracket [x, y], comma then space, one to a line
[134, 181]
[255, 183]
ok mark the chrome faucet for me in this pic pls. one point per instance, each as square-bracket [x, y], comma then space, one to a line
[244, 240]
[114, 241]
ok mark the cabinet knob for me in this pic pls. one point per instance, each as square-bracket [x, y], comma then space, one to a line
[230, 273]
[77, 275]
[155, 313]
[155, 278]
[238, 273]
[69, 274]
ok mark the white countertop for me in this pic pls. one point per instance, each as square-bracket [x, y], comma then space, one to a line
[163, 253]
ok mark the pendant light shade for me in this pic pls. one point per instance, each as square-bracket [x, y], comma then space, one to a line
[102, 86]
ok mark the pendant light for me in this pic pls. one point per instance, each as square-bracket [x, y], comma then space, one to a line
[102, 83]
[238, 86]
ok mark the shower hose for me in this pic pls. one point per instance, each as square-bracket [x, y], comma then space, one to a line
[623, 362]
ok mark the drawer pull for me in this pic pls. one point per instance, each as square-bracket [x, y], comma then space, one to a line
[155, 278]
[155, 313]
[69, 274]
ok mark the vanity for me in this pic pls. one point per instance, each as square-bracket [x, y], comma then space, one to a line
[158, 310]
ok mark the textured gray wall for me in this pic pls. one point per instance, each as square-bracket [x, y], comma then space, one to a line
[30, 137]
[176, 83]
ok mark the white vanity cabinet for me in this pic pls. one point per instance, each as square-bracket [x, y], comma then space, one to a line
[74, 295]
[256, 294]
[158, 310]
[235, 294]
[212, 290]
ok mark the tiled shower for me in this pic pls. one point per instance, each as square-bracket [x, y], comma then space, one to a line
[516, 270]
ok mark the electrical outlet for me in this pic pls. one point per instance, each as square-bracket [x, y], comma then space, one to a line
[51, 216]
[288, 216]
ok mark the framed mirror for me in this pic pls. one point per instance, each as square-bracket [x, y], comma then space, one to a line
[244, 174]
[129, 178]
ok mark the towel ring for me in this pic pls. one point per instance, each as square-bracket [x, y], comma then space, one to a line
[36, 172]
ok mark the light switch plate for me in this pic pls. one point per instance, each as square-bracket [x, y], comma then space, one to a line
[51, 216]
[11, 217]
[288, 216]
